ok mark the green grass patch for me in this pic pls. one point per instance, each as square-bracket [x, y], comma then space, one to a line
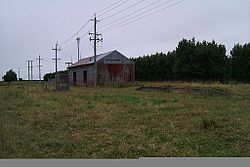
[120, 122]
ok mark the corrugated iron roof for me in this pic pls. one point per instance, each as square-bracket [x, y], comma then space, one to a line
[90, 60]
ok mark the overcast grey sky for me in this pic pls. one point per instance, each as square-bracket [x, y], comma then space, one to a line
[31, 27]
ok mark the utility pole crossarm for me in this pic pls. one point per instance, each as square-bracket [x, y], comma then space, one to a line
[56, 59]
[68, 63]
[91, 33]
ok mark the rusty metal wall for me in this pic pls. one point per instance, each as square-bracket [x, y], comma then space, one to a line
[108, 73]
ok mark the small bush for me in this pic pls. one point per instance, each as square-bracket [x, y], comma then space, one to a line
[10, 76]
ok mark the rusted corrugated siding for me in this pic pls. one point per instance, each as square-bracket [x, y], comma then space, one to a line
[115, 72]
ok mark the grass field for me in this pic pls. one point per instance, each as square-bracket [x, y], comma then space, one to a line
[112, 122]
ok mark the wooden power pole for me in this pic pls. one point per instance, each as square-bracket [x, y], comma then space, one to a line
[31, 70]
[28, 70]
[19, 73]
[96, 40]
[39, 67]
[56, 49]
[78, 47]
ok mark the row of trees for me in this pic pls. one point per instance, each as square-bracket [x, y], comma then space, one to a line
[193, 61]
[12, 76]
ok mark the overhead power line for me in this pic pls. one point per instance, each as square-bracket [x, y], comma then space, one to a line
[70, 51]
[108, 17]
[85, 34]
[117, 6]
[141, 16]
[122, 25]
[85, 42]
[69, 46]
[74, 35]
[73, 43]
[132, 13]
[109, 6]
[68, 54]
[72, 48]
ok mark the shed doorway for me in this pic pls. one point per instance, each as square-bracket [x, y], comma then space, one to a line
[74, 78]
[85, 77]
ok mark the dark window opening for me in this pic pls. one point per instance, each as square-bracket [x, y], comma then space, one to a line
[74, 78]
[85, 77]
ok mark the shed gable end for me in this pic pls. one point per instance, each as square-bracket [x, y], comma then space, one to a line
[116, 58]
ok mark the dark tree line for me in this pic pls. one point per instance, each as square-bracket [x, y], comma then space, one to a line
[240, 62]
[192, 61]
